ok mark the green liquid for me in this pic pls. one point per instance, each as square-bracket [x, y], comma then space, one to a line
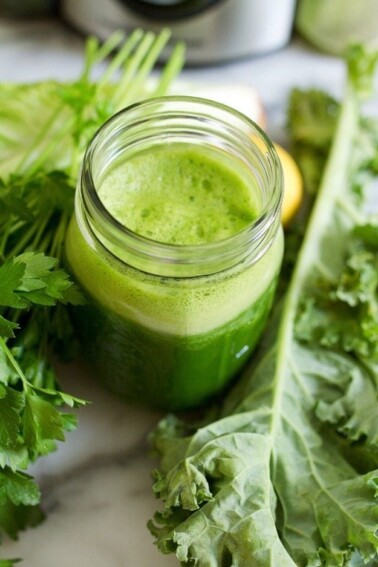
[167, 342]
[179, 195]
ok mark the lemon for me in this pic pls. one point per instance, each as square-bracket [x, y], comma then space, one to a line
[293, 185]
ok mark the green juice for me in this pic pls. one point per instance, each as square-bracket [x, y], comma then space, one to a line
[172, 342]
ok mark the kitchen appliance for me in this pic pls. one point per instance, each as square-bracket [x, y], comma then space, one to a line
[213, 30]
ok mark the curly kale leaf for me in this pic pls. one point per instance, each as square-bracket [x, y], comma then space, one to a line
[287, 476]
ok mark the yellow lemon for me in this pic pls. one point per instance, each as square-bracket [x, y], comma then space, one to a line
[293, 185]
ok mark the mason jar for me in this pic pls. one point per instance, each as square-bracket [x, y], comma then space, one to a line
[177, 243]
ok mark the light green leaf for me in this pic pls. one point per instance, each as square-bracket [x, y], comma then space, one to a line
[42, 284]
[274, 481]
[18, 487]
[42, 424]
[237, 522]
[355, 410]
[15, 458]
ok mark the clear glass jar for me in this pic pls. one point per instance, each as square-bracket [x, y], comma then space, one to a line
[169, 325]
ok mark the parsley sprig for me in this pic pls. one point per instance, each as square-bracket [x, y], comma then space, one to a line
[44, 129]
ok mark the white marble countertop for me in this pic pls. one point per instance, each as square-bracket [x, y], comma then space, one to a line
[97, 486]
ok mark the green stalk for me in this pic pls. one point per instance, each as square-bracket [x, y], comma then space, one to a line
[171, 70]
[96, 53]
[45, 243]
[132, 66]
[23, 242]
[14, 363]
[10, 228]
[121, 57]
[54, 143]
[138, 66]
[41, 136]
[57, 244]
[334, 181]
[41, 229]
[145, 60]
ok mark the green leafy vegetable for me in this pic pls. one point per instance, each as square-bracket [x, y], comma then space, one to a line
[286, 476]
[344, 313]
[30, 419]
[312, 120]
[44, 130]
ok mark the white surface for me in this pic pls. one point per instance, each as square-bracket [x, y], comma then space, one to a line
[96, 487]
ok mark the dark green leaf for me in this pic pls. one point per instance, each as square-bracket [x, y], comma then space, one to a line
[7, 328]
[11, 406]
[312, 118]
[9, 562]
[368, 233]
[11, 276]
[14, 518]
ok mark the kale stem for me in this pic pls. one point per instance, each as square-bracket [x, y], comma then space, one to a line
[334, 181]
[349, 210]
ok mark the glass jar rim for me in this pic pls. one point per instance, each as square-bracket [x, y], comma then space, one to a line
[124, 243]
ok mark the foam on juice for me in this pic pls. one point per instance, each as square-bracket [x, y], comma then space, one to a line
[181, 195]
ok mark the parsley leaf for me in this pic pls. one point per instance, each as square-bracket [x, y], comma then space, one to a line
[18, 487]
[17, 517]
[44, 129]
[11, 277]
[11, 405]
[42, 424]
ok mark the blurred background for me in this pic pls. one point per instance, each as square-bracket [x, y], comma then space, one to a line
[215, 31]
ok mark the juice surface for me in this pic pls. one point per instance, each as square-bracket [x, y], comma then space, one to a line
[179, 195]
[173, 343]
